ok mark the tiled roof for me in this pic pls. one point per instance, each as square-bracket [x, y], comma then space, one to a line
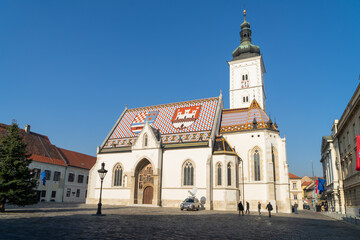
[243, 118]
[292, 176]
[306, 183]
[77, 159]
[39, 146]
[177, 122]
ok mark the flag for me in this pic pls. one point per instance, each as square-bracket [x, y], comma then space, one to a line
[357, 153]
[43, 177]
[317, 185]
[321, 185]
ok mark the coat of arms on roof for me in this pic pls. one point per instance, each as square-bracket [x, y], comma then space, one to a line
[140, 120]
[185, 116]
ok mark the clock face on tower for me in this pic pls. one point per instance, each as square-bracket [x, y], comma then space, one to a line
[244, 83]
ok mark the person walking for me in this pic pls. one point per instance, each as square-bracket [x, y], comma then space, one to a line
[269, 208]
[247, 208]
[259, 208]
[241, 208]
[295, 208]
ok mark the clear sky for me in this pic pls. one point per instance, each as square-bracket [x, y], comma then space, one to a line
[68, 68]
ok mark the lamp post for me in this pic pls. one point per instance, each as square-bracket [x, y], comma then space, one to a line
[102, 172]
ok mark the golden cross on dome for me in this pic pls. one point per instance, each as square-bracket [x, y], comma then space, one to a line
[244, 15]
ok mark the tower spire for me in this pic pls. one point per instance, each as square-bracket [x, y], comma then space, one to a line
[246, 48]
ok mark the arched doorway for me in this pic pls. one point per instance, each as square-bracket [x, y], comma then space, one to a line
[144, 188]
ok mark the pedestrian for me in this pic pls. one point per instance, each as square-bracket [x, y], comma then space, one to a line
[269, 208]
[241, 208]
[259, 208]
[247, 208]
[295, 208]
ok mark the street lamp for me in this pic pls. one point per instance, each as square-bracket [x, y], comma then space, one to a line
[102, 172]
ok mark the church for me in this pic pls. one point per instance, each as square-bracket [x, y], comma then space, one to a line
[158, 154]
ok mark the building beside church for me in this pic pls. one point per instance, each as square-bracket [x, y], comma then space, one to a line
[339, 159]
[157, 154]
[296, 191]
[57, 163]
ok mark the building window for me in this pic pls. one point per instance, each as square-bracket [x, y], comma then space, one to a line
[246, 99]
[188, 174]
[68, 192]
[348, 137]
[118, 175]
[53, 194]
[36, 173]
[219, 174]
[71, 177]
[354, 130]
[145, 140]
[257, 165]
[295, 197]
[294, 185]
[47, 174]
[87, 179]
[80, 178]
[229, 174]
[43, 193]
[56, 176]
[245, 77]
[78, 193]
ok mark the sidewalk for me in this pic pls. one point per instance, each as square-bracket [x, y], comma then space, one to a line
[343, 217]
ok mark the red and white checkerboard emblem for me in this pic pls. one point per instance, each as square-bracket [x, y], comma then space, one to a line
[185, 116]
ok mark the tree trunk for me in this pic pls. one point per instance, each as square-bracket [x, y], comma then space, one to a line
[2, 207]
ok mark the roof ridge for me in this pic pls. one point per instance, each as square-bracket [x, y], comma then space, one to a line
[169, 104]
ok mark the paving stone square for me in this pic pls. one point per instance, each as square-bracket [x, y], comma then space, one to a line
[73, 221]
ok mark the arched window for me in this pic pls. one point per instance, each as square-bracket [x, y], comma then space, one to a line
[229, 174]
[188, 174]
[145, 140]
[219, 174]
[257, 165]
[118, 175]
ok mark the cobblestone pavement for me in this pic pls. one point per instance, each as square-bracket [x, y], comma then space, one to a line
[71, 221]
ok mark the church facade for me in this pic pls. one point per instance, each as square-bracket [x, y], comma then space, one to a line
[156, 155]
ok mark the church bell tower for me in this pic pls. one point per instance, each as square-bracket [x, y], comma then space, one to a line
[246, 72]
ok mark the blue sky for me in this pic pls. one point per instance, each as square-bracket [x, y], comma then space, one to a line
[68, 68]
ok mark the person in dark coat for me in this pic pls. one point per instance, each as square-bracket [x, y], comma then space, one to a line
[269, 208]
[247, 208]
[241, 208]
[259, 208]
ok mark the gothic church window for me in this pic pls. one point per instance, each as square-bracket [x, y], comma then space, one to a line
[219, 174]
[145, 140]
[188, 173]
[229, 174]
[118, 171]
[257, 165]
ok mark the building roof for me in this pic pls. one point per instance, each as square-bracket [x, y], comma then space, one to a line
[222, 146]
[76, 159]
[39, 146]
[189, 121]
[306, 183]
[292, 176]
[240, 119]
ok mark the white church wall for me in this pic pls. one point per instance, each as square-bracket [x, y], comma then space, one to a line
[173, 189]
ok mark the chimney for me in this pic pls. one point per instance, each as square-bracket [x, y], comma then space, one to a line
[27, 128]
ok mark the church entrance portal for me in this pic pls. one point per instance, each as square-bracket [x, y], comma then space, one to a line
[144, 188]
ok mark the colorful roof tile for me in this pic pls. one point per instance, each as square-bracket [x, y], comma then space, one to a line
[239, 119]
[177, 122]
[76, 159]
